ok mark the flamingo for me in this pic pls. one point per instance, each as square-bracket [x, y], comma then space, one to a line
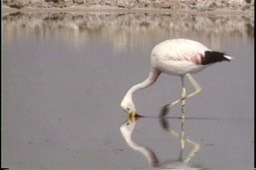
[178, 57]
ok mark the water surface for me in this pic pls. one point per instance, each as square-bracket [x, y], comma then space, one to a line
[64, 75]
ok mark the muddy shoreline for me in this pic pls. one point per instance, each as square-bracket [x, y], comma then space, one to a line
[97, 9]
[158, 6]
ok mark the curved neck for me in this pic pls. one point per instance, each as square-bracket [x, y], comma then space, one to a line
[152, 77]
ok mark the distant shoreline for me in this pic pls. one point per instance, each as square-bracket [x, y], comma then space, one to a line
[107, 9]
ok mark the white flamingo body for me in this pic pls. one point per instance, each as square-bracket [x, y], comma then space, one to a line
[180, 57]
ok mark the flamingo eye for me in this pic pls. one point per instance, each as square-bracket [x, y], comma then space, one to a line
[128, 109]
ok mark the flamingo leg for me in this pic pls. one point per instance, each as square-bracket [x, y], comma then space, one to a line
[195, 85]
[182, 132]
[183, 97]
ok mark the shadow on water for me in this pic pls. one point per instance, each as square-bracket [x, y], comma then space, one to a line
[182, 162]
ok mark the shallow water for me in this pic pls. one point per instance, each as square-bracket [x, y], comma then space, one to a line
[64, 75]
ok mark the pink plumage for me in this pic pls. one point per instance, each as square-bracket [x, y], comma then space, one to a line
[178, 56]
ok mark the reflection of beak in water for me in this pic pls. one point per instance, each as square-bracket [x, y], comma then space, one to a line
[127, 130]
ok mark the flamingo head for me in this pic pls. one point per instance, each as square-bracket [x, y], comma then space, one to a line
[128, 106]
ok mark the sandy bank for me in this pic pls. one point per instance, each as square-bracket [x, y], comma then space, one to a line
[166, 5]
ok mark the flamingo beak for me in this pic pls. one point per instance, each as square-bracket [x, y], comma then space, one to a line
[134, 116]
[137, 115]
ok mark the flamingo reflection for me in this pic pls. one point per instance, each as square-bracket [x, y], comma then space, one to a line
[180, 163]
[126, 131]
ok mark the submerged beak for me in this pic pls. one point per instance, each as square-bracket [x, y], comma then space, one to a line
[134, 116]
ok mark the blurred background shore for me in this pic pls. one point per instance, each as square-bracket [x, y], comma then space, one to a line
[201, 5]
[125, 29]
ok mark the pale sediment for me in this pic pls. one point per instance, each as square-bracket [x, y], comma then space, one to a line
[200, 5]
